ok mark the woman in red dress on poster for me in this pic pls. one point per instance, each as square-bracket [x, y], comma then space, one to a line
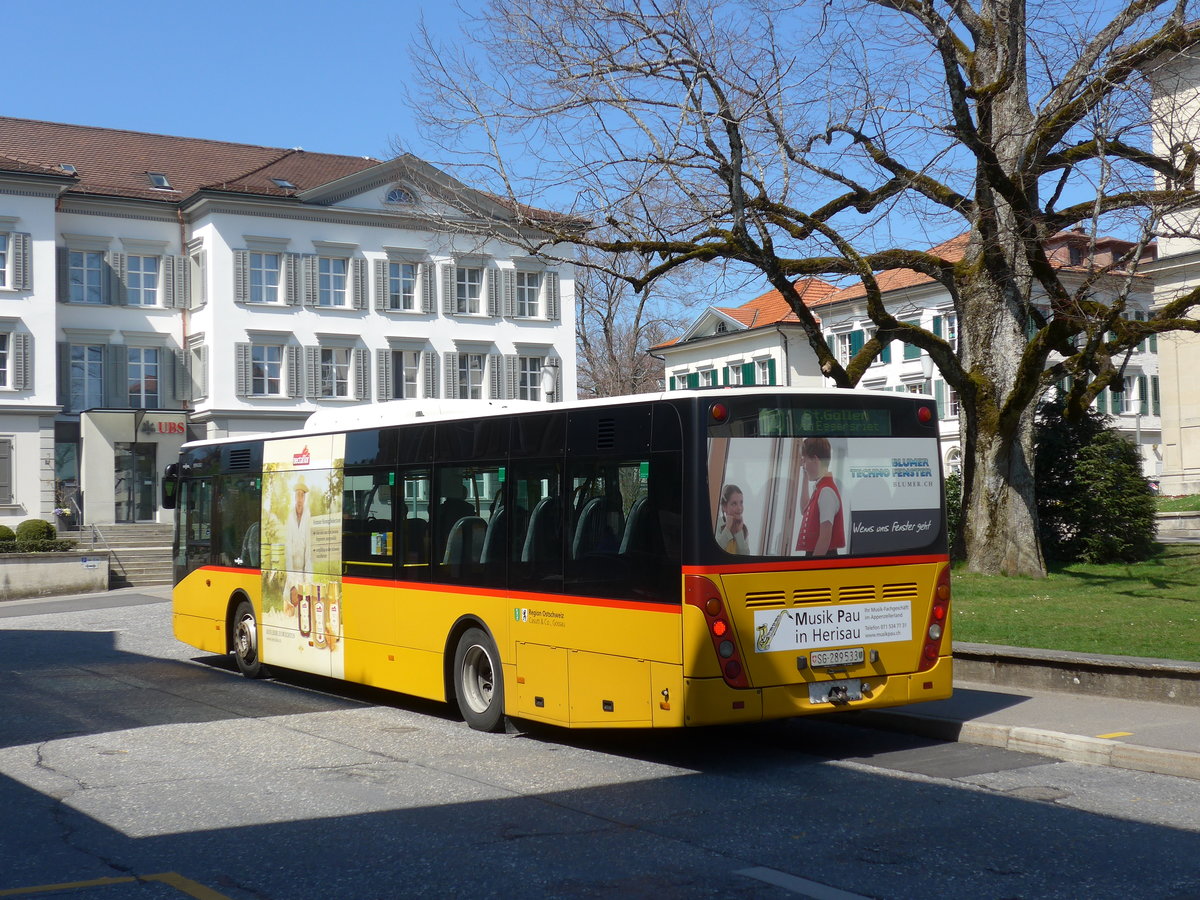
[822, 529]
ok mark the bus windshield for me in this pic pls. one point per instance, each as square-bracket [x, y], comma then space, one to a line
[788, 479]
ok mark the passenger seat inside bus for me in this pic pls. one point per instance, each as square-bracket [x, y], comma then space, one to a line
[465, 543]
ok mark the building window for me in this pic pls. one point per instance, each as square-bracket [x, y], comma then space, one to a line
[142, 373]
[529, 378]
[399, 195]
[708, 377]
[468, 286]
[335, 372]
[402, 286]
[86, 376]
[331, 281]
[529, 288]
[843, 350]
[735, 374]
[85, 276]
[406, 374]
[264, 277]
[762, 372]
[470, 376]
[266, 370]
[141, 273]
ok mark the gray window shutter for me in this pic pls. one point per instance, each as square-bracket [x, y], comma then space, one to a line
[182, 376]
[493, 291]
[64, 376]
[117, 293]
[199, 373]
[310, 279]
[168, 289]
[242, 370]
[450, 362]
[383, 375]
[241, 276]
[431, 373]
[381, 284]
[22, 261]
[510, 292]
[312, 372]
[295, 376]
[448, 304]
[557, 396]
[428, 288]
[62, 259]
[116, 365]
[496, 375]
[293, 289]
[362, 373]
[358, 275]
[552, 311]
[6, 475]
[197, 279]
[512, 374]
[22, 361]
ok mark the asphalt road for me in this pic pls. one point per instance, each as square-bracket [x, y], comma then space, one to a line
[131, 766]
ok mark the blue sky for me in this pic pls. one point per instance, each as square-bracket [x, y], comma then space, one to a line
[327, 77]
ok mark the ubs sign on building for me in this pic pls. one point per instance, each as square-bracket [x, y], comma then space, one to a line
[122, 454]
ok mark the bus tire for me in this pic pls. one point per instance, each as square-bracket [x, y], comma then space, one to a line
[479, 681]
[245, 641]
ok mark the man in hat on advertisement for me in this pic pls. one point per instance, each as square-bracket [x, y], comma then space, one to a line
[299, 530]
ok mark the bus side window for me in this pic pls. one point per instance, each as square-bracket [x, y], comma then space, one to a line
[238, 520]
[368, 531]
[196, 523]
[536, 547]
[414, 533]
[468, 498]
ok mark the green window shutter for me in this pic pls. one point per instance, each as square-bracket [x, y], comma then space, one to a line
[1154, 343]
[725, 375]
[939, 397]
[911, 351]
[771, 370]
[937, 325]
[1143, 395]
[885, 355]
[832, 342]
[1155, 405]
[693, 380]
[857, 339]
[747, 373]
[1100, 402]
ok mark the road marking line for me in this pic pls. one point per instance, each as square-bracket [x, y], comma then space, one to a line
[171, 879]
[798, 885]
[1115, 734]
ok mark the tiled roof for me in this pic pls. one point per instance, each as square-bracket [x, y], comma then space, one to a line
[110, 162]
[895, 279]
[771, 307]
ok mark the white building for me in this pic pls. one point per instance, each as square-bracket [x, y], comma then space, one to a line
[156, 288]
[766, 334]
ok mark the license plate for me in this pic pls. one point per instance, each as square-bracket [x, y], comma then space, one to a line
[847, 656]
[835, 691]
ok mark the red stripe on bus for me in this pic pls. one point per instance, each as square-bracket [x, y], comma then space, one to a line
[575, 599]
[526, 596]
[801, 565]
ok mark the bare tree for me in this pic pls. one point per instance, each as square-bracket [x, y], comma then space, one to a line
[833, 139]
[616, 326]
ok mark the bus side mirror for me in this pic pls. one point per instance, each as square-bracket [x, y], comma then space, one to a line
[170, 486]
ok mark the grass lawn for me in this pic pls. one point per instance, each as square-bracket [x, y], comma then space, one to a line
[1140, 609]
[1186, 503]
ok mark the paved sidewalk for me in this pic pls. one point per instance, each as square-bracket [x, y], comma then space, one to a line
[1163, 738]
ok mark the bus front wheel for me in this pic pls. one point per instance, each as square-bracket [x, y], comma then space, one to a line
[479, 681]
[245, 641]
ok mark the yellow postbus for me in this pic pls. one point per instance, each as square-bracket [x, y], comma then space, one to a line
[686, 558]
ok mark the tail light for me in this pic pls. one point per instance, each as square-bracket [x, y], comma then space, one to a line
[939, 620]
[704, 595]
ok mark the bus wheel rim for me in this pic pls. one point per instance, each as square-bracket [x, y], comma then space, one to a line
[246, 637]
[478, 680]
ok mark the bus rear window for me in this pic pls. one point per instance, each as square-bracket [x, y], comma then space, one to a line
[793, 495]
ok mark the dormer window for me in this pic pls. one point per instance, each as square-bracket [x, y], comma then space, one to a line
[160, 181]
[284, 183]
[400, 195]
[722, 328]
[68, 168]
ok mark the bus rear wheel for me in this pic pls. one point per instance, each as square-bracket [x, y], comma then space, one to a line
[245, 641]
[479, 681]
